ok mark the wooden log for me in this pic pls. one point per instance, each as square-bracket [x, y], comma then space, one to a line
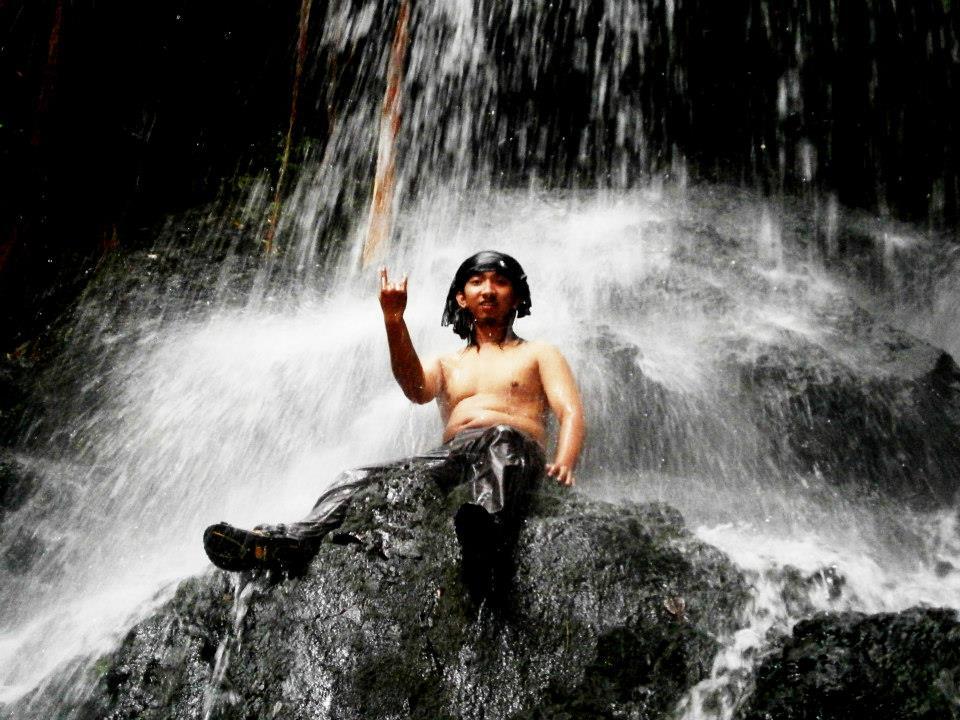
[381, 204]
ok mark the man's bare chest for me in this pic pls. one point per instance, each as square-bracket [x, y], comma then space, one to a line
[508, 375]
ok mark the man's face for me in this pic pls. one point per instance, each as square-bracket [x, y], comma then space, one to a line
[488, 295]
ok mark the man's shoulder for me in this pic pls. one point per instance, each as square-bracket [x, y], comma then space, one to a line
[542, 349]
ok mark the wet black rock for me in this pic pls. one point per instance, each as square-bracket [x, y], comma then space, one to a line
[797, 589]
[17, 483]
[944, 568]
[666, 430]
[850, 401]
[894, 665]
[866, 406]
[27, 497]
[13, 393]
[613, 609]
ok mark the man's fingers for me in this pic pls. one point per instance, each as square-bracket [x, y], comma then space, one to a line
[387, 286]
[562, 473]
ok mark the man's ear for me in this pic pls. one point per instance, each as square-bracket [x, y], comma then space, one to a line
[461, 300]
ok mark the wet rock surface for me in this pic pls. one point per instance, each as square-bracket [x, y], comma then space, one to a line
[13, 393]
[613, 612]
[837, 395]
[898, 665]
[20, 547]
[865, 405]
[17, 483]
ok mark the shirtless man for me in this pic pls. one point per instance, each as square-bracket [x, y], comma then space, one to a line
[493, 396]
[499, 378]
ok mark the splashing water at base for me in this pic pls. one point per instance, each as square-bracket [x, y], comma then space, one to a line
[245, 413]
[242, 594]
[793, 577]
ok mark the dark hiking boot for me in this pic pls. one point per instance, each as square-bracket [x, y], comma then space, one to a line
[236, 549]
[477, 535]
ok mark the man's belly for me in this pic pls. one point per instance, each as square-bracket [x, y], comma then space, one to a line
[475, 415]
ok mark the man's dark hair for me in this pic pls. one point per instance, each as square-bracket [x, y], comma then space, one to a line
[484, 261]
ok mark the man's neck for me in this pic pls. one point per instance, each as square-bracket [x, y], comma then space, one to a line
[493, 335]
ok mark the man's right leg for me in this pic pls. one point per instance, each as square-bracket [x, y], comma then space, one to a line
[235, 549]
[291, 546]
[285, 546]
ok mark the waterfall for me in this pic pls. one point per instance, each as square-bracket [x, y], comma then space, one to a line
[200, 382]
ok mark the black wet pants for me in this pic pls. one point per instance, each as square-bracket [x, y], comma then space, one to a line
[494, 468]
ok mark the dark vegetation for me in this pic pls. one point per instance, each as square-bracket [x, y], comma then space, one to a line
[115, 113]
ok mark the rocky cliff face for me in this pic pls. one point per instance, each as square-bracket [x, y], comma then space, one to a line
[614, 612]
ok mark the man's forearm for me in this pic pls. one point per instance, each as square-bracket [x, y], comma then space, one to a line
[570, 439]
[406, 365]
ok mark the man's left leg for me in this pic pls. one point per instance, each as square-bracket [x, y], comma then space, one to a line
[505, 464]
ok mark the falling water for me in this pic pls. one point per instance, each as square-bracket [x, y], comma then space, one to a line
[217, 386]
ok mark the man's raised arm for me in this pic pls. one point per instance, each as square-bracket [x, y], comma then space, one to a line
[564, 398]
[420, 384]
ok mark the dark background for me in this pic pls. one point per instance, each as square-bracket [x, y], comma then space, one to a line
[115, 113]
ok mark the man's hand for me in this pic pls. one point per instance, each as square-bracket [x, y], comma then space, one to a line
[419, 383]
[563, 474]
[393, 297]
[564, 398]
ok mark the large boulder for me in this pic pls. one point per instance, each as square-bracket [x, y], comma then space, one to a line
[850, 665]
[869, 406]
[614, 611]
[827, 391]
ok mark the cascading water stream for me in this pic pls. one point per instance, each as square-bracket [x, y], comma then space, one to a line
[213, 391]
[242, 594]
